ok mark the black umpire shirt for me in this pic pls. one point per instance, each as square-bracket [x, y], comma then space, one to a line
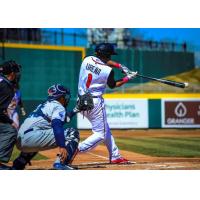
[6, 95]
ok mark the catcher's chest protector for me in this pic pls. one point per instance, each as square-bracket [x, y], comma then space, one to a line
[93, 76]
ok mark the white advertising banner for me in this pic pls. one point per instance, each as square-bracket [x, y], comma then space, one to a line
[122, 114]
[181, 113]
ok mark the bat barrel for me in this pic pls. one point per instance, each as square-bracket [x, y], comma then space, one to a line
[168, 82]
[174, 83]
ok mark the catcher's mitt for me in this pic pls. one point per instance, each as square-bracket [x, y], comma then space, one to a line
[85, 102]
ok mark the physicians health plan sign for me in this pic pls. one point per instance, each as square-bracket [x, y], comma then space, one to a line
[122, 114]
[181, 113]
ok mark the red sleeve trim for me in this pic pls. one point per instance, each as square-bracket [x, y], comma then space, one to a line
[117, 65]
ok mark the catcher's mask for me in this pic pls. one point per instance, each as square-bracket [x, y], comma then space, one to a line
[105, 49]
[56, 91]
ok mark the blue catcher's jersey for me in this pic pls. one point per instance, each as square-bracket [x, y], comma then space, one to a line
[42, 116]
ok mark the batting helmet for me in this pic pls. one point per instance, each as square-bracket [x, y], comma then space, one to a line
[105, 49]
[56, 91]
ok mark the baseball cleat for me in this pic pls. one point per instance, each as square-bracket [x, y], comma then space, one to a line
[60, 166]
[120, 160]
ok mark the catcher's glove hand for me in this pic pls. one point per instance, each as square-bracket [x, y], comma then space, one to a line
[85, 102]
[70, 115]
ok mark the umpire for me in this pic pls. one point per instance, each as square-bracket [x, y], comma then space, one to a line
[9, 76]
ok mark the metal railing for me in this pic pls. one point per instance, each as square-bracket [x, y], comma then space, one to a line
[40, 36]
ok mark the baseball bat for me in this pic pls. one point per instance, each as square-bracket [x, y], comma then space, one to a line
[168, 82]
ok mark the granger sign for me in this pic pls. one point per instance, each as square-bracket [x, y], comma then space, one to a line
[181, 113]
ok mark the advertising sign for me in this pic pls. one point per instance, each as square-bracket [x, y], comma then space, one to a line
[181, 113]
[122, 114]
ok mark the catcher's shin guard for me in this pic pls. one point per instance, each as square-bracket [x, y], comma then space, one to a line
[22, 160]
[72, 145]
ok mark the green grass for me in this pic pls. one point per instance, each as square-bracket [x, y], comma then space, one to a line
[16, 152]
[162, 147]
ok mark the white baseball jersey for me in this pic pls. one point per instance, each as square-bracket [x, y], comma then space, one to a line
[94, 69]
[94, 75]
[50, 109]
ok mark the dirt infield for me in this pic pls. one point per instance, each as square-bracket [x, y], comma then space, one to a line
[97, 159]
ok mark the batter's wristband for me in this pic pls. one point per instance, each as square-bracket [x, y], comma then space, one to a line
[117, 65]
[125, 79]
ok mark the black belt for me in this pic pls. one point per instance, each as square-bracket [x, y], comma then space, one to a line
[96, 96]
[28, 130]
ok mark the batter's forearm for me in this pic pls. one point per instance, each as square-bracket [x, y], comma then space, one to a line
[113, 64]
[58, 131]
[121, 82]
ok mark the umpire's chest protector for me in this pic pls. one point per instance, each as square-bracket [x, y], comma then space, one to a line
[93, 76]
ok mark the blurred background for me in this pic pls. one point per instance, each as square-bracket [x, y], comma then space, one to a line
[54, 55]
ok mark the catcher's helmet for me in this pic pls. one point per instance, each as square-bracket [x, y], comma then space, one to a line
[56, 91]
[105, 49]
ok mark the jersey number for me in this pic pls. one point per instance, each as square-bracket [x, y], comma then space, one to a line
[89, 80]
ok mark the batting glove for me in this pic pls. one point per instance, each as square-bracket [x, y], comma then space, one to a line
[125, 70]
[131, 75]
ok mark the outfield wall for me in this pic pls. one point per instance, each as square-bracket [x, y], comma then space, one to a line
[44, 65]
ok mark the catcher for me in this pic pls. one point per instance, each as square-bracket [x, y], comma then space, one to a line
[95, 74]
[44, 130]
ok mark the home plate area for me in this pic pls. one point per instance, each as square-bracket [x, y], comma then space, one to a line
[97, 159]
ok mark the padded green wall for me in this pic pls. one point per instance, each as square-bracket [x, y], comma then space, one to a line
[42, 68]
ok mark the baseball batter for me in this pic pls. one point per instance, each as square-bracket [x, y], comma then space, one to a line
[95, 74]
[44, 130]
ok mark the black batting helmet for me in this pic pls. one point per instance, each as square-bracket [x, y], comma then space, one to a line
[105, 49]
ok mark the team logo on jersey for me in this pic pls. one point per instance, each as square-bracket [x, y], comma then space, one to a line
[61, 114]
